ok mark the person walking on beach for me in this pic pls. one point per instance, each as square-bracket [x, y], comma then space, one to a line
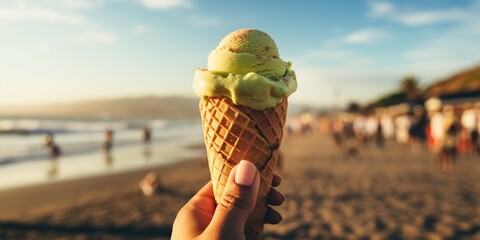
[351, 141]
[448, 152]
[417, 131]
[436, 131]
[146, 134]
[470, 122]
[475, 140]
[53, 148]
[53, 153]
[379, 140]
[336, 129]
[107, 146]
[107, 140]
[146, 138]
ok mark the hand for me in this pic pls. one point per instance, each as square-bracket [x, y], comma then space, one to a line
[202, 218]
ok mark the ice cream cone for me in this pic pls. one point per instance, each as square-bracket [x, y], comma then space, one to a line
[234, 133]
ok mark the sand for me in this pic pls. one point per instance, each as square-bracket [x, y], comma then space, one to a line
[383, 194]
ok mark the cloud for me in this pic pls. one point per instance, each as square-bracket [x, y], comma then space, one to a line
[431, 17]
[381, 8]
[139, 29]
[166, 4]
[73, 4]
[365, 36]
[411, 17]
[22, 11]
[204, 21]
[59, 12]
[97, 37]
[78, 4]
[363, 76]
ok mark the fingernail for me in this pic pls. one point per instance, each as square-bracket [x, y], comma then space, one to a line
[245, 173]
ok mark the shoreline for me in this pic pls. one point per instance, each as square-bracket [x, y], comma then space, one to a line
[121, 158]
[52, 196]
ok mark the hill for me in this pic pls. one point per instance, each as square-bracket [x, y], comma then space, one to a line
[465, 81]
[159, 107]
[465, 84]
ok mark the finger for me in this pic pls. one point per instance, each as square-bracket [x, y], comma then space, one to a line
[272, 216]
[206, 191]
[195, 215]
[237, 201]
[275, 197]
[204, 199]
[276, 180]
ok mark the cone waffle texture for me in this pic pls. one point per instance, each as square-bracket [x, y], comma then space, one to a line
[234, 133]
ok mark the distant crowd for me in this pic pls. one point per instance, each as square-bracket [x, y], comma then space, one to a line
[446, 131]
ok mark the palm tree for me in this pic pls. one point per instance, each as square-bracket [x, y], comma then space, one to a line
[409, 86]
[353, 107]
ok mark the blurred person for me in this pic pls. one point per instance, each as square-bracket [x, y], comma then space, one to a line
[379, 135]
[107, 140]
[306, 120]
[107, 147]
[448, 152]
[464, 145]
[53, 154]
[295, 126]
[203, 218]
[402, 127]
[422, 128]
[53, 148]
[436, 130]
[474, 138]
[371, 127]
[146, 134]
[475, 132]
[348, 130]
[336, 129]
[470, 120]
[150, 184]
[146, 138]
[417, 131]
[388, 128]
[351, 148]
[359, 126]
[323, 125]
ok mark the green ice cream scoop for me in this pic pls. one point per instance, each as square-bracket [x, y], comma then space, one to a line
[246, 67]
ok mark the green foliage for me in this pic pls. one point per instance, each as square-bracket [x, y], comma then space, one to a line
[409, 87]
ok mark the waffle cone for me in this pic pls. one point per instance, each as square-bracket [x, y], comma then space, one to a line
[234, 133]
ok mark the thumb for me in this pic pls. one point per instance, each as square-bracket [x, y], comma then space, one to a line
[237, 201]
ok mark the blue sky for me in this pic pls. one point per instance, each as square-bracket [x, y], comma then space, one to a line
[68, 50]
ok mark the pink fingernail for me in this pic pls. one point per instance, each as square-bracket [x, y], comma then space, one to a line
[245, 173]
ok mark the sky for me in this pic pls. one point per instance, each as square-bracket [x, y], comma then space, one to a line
[69, 50]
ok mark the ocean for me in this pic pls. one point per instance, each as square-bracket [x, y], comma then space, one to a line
[24, 159]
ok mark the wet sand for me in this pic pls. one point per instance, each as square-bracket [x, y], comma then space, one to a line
[389, 194]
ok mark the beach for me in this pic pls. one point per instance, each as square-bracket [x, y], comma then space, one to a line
[388, 193]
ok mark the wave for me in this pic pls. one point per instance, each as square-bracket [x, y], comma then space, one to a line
[21, 139]
[41, 126]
